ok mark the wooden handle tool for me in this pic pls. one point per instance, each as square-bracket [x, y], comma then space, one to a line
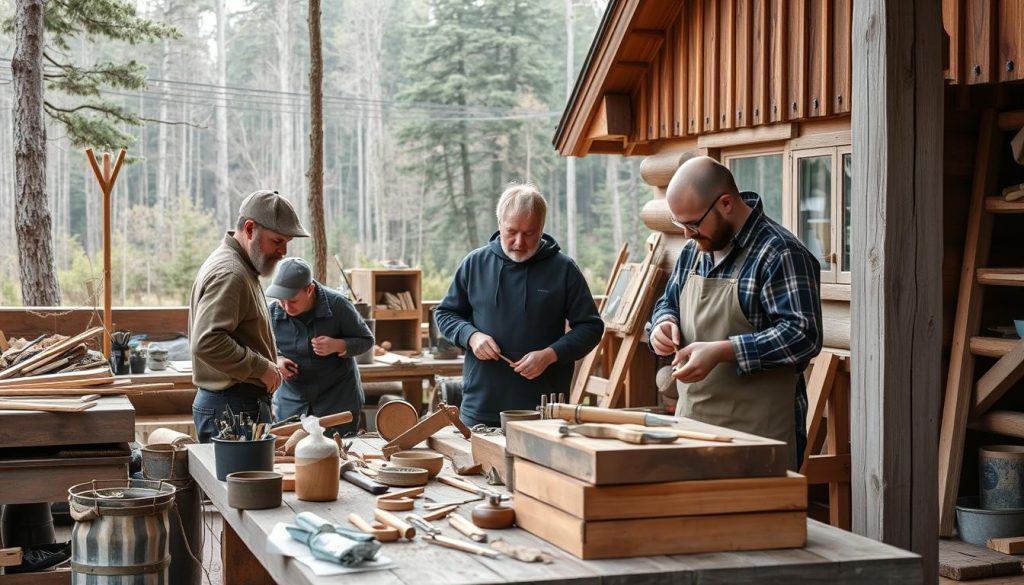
[395, 522]
[463, 546]
[608, 431]
[683, 434]
[467, 528]
[440, 513]
[42, 407]
[577, 413]
[385, 534]
[459, 483]
[326, 421]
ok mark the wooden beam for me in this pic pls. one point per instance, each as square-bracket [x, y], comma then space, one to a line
[897, 273]
[1000, 378]
[1002, 422]
[745, 136]
[614, 118]
[819, 387]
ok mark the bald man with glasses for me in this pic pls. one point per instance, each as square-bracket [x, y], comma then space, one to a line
[741, 314]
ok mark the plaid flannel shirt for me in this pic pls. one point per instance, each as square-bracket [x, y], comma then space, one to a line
[779, 292]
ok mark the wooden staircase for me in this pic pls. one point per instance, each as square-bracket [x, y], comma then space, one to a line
[967, 402]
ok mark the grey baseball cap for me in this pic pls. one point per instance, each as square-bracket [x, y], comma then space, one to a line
[273, 212]
[293, 275]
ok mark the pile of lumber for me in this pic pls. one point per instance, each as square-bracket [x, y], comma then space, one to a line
[604, 498]
[60, 368]
[398, 301]
[50, 355]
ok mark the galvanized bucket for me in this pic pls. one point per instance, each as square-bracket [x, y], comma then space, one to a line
[121, 532]
[164, 461]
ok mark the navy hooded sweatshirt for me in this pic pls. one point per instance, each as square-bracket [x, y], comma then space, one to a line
[524, 307]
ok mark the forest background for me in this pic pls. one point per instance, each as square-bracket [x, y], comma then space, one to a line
[430, 108]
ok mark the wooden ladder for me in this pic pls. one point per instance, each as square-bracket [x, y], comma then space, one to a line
[966, 401]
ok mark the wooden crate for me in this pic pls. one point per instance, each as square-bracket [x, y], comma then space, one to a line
[112, 420]
[605, 462]
[606, 539]
[653, 500]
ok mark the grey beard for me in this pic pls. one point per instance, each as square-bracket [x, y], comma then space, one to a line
[264, 266]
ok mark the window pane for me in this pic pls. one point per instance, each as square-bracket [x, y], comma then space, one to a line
[762, 175]
[847, 211]
[814, 206]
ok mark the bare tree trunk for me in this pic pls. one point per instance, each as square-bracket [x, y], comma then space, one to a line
[468, 208]
[163, 183]
[361, 197]
[611, 178]
[315, 176]
[284, 53]
[570, 161]
[32, 222]
[222, 193]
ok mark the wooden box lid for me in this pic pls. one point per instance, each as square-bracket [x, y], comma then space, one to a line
[609, 461]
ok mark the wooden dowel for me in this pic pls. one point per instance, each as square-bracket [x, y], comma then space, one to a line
[463, 546]
[326, 421]
[467, 528]
[403, 528]
[40, 407]
[458, 483]
[439, 513]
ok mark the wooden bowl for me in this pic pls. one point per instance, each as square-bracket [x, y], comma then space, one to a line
[402, 476]
[394, 418]
[429, 460]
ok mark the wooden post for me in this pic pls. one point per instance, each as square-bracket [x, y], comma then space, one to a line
[106, 179]
[897, 122]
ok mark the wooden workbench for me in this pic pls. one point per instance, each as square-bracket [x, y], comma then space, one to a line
[831, 555]
[180, 397]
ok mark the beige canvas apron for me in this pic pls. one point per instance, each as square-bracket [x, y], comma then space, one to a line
[761, 403]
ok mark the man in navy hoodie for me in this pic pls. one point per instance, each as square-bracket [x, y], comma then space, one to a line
[511, 300]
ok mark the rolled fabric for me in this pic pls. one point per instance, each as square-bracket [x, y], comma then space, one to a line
[333, 543]
[170, 437]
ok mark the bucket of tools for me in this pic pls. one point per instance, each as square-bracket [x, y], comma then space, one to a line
[240, 455]
[121, 532]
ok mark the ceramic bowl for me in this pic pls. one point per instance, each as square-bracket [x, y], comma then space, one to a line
[254, 490]
[428, 460]
[1019, 324]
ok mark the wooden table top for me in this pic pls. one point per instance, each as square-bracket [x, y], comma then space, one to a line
[831, 555]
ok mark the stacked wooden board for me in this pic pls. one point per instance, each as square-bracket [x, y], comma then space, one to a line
[600, 498]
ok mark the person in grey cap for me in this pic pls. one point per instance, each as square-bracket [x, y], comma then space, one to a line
[234, 360]
[318, 334]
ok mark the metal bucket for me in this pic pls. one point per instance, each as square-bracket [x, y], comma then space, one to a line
[1002, 477]
[121, 532]
[976, 526]
[164, 461]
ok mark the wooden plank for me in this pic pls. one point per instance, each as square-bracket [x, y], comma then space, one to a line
[819, 387]
[656, 536]
[980, 40]
[760, 62]
[603, 462]
[991, 346]
[1001, 276]
[837, 442]
[746, 136]
[726, 64]
[94, 377]
[842, 65]
[828, 469]
[711, 65]
[962, 561]
[1007, 546]
[1002, 422]
[817, 59]
[50, 352]
[680, 62]
[797, 55]
[666, 86]
[112, 420]
[953, 23]
[897, 124]
[654, 500]
[489, 453]
[1002, 376]
[653, 101]
[744, 39]
[1000, 205]
[58, 576]
[778, 22]
[48, 480]
[960, 379]
[695, 66]
[156, 322]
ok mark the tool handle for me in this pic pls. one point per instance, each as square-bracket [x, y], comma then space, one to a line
[591, 414]
[467, 528]
[463, 546]
[458, 483]
[361, 524]
[326, 421]
[440, 513]
[395, 522]
[359, 480]
[607, 431]
[452, 412]
[684, 434]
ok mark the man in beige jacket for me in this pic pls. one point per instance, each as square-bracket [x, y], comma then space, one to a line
[234, 360]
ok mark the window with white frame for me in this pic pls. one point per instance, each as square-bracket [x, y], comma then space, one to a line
[821, 188]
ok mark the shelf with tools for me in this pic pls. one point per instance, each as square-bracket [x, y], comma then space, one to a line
[397, 306]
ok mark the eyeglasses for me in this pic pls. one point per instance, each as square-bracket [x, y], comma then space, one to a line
[694, 226]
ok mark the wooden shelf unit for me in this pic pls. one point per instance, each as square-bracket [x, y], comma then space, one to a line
[400, 327]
